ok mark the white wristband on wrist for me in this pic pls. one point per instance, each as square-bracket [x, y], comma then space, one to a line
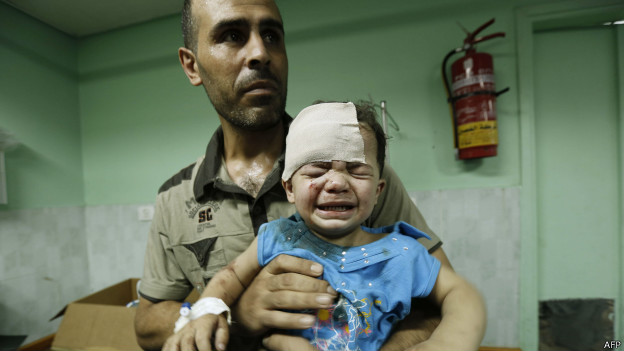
[203, 306]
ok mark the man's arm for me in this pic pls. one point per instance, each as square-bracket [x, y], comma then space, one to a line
[154, 322]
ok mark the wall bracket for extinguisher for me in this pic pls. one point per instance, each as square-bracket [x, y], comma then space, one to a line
[469, 47]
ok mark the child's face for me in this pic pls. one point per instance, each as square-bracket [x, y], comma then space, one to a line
[335, 198]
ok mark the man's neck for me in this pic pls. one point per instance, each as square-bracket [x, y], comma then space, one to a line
[250, 155]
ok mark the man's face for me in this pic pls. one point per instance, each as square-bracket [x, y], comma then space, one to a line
[335, 198]
[240, 59]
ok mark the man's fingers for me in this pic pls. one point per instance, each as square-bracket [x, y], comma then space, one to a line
[286, 283]
[288, 320]
[292, 264]
[277, 342]
[298, 282]
[294, 300]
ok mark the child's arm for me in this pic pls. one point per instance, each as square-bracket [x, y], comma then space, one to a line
[463, 314]
[228, 284]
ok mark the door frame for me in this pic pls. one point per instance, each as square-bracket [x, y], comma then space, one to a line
[528, 20]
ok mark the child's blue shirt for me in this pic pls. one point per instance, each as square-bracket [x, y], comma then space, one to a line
[376, 282]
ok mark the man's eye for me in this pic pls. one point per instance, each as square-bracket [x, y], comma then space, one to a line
[272, 37]
[232, 36]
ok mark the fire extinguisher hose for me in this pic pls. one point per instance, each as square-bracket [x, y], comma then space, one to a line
[449, 95]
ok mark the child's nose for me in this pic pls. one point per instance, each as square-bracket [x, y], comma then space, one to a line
[336, 182]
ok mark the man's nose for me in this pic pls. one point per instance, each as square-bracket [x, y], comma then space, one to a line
[257, 53]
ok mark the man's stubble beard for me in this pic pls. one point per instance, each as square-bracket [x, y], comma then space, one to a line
[256, 118]
[265, 114]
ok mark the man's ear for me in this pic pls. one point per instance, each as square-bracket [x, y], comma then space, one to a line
[189, 65]
[380, 187]
[289, 190]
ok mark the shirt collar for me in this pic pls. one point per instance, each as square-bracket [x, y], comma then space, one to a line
[207, 178]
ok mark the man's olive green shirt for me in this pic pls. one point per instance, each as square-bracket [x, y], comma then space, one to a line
[203, 220]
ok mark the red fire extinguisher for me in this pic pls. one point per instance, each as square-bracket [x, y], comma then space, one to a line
[472, 98]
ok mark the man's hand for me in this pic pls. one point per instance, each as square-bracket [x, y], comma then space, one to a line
[286, 283]
[198, 335]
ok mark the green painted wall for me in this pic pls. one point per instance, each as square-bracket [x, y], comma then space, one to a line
[141, 120]
[39, 105]
[578, 167]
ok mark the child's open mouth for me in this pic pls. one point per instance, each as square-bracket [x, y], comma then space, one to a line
[335, 208]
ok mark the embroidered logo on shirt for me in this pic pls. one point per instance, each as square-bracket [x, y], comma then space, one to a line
[203, 213]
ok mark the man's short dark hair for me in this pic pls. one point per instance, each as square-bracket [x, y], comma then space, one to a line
[189, 26]
[367, 115]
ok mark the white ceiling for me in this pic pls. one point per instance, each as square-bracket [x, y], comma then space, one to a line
[80, 18]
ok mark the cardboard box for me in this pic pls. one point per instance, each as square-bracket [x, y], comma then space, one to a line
[100, 321]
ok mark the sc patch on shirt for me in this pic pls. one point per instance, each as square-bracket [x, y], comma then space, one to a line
[202, 213]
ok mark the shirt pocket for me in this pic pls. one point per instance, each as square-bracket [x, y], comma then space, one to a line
[200, 259]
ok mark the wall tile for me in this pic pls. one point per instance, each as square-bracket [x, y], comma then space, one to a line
[43, 261]
[480, 229]
[70, 252]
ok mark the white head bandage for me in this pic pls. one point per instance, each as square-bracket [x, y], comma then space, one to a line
[323, 133]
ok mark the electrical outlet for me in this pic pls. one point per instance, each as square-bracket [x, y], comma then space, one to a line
[146, 213]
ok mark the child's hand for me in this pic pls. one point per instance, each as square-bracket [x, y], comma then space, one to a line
[201, 334]
[277, 342]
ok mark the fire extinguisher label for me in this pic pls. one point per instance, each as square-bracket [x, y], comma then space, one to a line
[477, 134]
[479, 80]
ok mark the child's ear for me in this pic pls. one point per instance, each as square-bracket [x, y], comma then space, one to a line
[380, 187]
[287, 184]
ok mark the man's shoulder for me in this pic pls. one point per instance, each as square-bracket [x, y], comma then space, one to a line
[185, 174]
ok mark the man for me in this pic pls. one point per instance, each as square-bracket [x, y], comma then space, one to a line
[209, 212]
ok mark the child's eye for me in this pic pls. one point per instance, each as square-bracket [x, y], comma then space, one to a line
[313, 171]
[361, 170]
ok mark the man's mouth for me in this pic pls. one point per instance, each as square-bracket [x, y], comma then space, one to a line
[261, 86]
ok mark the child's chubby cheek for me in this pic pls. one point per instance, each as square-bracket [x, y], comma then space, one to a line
[316, 185]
